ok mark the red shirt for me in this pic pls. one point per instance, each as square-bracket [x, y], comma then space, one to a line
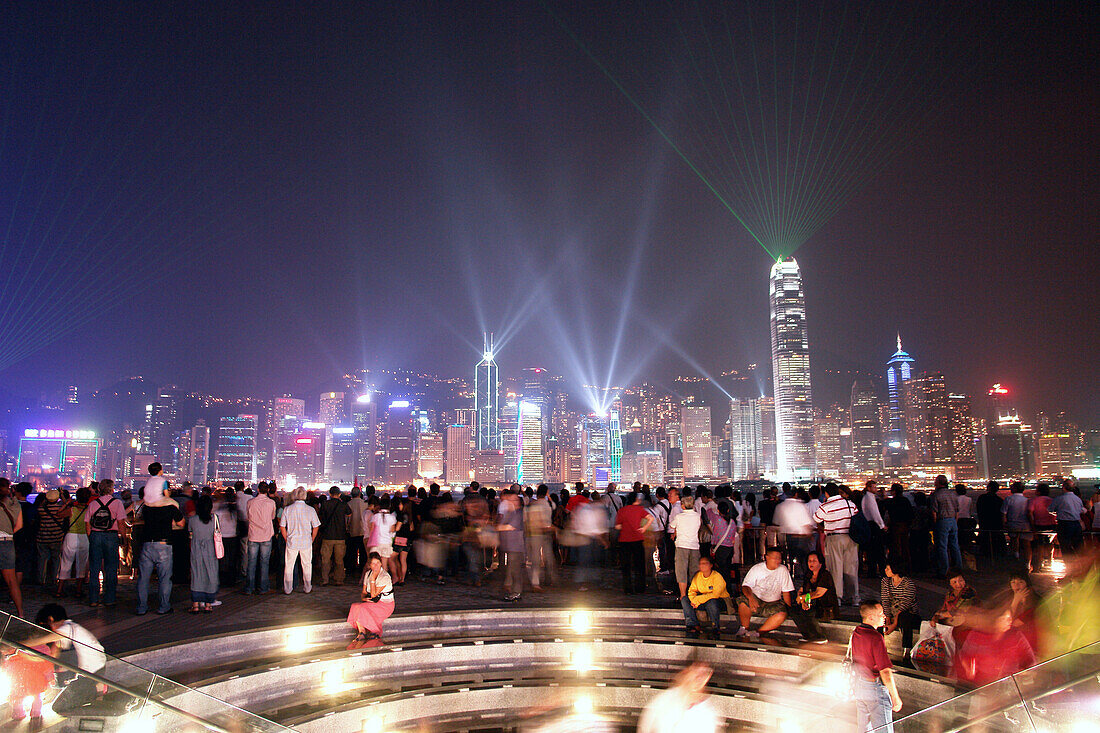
[630, 519]
[574, 501]
[985, 658]
[1038, 508]
[869, 652]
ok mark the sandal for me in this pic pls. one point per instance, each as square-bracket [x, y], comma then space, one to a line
[357, 642]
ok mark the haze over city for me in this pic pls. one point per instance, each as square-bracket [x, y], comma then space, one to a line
[377, 192]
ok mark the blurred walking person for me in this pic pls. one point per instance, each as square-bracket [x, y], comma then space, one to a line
[512, 544]
[539, 531]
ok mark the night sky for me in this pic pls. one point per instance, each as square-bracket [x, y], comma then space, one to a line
[257, 200]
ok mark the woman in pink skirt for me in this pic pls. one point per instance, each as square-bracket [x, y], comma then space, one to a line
[376, 603]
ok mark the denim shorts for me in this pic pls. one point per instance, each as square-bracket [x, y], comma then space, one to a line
[7, 554]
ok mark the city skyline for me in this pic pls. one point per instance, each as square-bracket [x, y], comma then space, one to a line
[312, 213]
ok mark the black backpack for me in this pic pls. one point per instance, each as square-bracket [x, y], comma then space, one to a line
[101, 519]
[860, 529]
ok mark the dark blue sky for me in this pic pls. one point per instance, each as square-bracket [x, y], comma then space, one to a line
[256, 200]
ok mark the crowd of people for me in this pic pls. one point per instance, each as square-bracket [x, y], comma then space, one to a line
[792, 552]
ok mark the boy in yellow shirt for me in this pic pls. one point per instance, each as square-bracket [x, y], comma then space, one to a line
[707, 591]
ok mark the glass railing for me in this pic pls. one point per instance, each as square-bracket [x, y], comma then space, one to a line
[95, 691]
[1061, 694]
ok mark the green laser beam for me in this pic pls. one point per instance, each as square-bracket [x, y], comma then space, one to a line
[630, 98]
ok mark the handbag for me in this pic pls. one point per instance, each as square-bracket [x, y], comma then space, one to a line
[219, 546]
[849, 675]
[931, 653]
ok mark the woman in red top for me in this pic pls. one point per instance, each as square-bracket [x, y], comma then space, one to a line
[988, 654]
[1042, 521]
[1022, 606]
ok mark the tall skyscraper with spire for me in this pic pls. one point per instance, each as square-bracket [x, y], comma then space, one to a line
[794, 416]
[899, 370]
[487, 397]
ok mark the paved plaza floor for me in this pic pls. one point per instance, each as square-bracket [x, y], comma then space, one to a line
[122, 631]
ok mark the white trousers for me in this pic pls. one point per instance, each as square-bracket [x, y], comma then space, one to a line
[74, 557]
[290, 556]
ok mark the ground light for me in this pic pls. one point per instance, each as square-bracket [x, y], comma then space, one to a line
[332, 681]
[582, 659]
[297, 640]
[375, 723]
[583, 705]
[581, 621]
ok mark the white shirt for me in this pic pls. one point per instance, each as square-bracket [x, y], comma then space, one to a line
[242, 506]
[964, 507]
[227, 520]
[869, 507]
[381, 529]
[299, 519]
[812, 505]
[792, 517]
[588, 520]
[89, 652]
[660, 512]
[666, 713]
[686, 526]
[768, 585]
[383, 584]
[676, 509]
[153, 491]
[355, 523]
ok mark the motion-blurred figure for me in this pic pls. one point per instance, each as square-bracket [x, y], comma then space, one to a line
[685, 706]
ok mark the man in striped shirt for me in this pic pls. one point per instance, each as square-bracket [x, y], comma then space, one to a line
[841, 553]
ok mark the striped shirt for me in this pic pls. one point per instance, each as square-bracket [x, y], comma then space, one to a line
[836, 513]
[898, 598]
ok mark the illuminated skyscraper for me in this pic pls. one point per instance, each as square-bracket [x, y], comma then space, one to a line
[300, 459]
[593, 443]
[962, 429]
[331, 410]
[400, 436]
[508, 432]
[615, 447]
[198, 458]
[696, 441]
[487, 398]
[898, 373]
[827, 450]
[928, 420]
[746, 439]
[429, 455]
[283, 407]
[332, 413]
[866, 430]
[794, 417]
[342, 467]
[163, 426]
[460, 461]
[364, 420]
[529, 459]
[237, 449]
